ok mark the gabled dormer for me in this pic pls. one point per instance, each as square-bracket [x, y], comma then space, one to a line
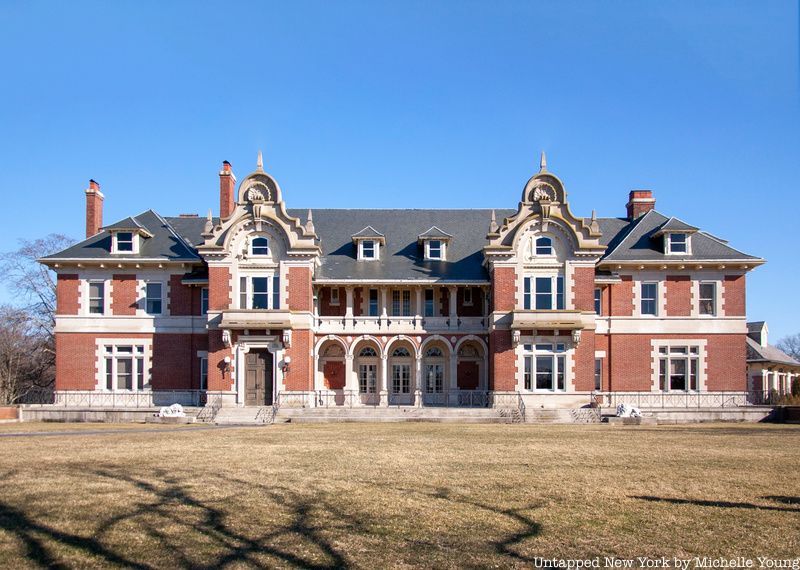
[368, 243]
[434, 244]
[677, 237]
[127, 236]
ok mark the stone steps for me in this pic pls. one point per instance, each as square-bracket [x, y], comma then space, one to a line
[410, 414]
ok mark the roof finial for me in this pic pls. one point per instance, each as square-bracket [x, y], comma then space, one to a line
[594, 215]
[208, 230]
[493, 224]
[543, 163]
[310, 223]
[259, 162]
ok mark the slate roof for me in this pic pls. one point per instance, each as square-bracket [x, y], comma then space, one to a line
[640, 243]
[769, 353]
[164, 244]
[402, 255]
[128, 223]
[676, 225]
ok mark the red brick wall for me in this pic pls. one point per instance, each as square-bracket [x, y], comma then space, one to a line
[679, 296]
[300, 375]
[124, 296]
[325, 307]
[473, 310]
[219, 290]
[358, 299]
[195, 293]
[218, 378]
[583, 366]
[503, 373]
[75, 361]
[9, 413]
[174, 363]
[180, 297]
[583, 288]
[299, 289]
[504, 288]
[605, 300]
[622, 297]
[67, 294]
[733, 296]
[630, 359]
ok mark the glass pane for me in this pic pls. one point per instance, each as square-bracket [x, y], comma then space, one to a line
[260, 292]
[560, 372]
[428, 302]
[544, 372]
[124, 374]
[662, 374]
[243, 292]
[140, 373]
[544, 347]
[693, 374]
[544, 293]
[276, 292]
[598, 373]
[677, 374]
[560, 293]
[109, 374]
[406, 303]
[260, 246]
[526, 297]
[528, 366]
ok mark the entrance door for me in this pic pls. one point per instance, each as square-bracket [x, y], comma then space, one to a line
[258, 378]
[468, 375]
[333, 373]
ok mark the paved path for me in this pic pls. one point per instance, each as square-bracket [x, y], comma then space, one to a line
[175, 429]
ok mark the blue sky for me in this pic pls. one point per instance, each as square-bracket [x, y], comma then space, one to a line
[411, 104]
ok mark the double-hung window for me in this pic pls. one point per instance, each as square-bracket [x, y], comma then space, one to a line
[708, 299]
[204, 301]
[401, 303]
[124, 241]
[678, 368]
[678, 243]
[259, 292]
[429, 306]
[97, 297]
[153, 298]
[373, 303]
[435, 249]
[598, 374]
[368, 249]
[204, 373]
[649, 298]
[543, 293]
[260, 246]
[545, 367]
[598, 305]
[124, 367]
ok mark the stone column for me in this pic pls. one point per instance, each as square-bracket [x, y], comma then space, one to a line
[350, 378]
[348, 308]
[418, 382]
[384, 382]
[420, 310]
[453, 294]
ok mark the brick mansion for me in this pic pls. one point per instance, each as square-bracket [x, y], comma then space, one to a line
[265, 304]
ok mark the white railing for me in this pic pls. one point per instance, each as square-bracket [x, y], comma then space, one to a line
[144, 399]
[722, 399]
[398, 325]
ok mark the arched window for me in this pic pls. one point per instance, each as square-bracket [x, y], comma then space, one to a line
[367, 352]
[401, 352]
[544, 246]
[434, 352]
[260, 246]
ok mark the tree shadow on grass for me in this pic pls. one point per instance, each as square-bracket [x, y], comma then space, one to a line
[721, 504]
[168, 503]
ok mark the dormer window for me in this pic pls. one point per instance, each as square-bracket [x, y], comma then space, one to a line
[259, 246]
[368, 249]
[544, 246]
[368, 243]
[677, 243]
[124, 241]
[435, 249]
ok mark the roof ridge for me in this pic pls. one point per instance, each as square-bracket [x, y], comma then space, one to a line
[189, 248]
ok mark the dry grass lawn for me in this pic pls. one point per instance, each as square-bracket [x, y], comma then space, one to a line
[394, 495]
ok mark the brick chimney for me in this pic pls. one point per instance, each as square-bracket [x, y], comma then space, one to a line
[227, 185]
[639, 203]
[94, 209]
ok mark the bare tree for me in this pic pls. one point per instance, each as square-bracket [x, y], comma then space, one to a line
[34, 284]
[27, 343]
[790, 345]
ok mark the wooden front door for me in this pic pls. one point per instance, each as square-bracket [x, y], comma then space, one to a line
[258, 378]
[468, 375]
[333, 372]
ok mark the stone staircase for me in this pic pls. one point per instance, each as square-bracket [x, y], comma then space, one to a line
[561, 416]
[243, 416]
[395, 414]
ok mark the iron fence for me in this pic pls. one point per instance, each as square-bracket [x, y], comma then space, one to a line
[721, 399]
[99, 399]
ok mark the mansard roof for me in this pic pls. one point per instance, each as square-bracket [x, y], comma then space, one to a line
[639, 242]
[165, 244]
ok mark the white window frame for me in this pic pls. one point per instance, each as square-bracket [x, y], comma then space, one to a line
[105, 299]
[376, 248]
[134, 243]
[148, 299]
[698, 345]
[656, 299]
[246, 294]
[557, 351]
[140, 354]
[529, 293]
[429, 250]
[714, 299]
[401, 302]
[598, 301]
[668, 240]
[204, 301]
[535, 247]
[252, 247]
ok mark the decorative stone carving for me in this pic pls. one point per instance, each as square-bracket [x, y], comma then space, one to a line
[226, 338]
[515, 336]
[576, 337]
[543, 191]
[287, 338]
